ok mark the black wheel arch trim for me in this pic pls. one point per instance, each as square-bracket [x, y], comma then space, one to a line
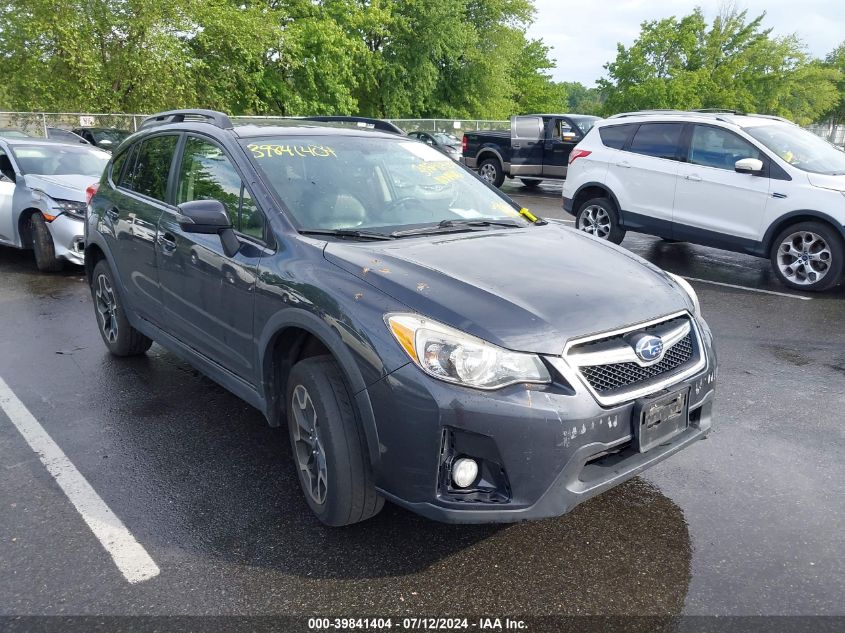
[793, 217]
[606, 189]
[273, 394]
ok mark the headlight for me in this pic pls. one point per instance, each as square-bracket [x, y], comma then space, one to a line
[71, 207]
[451, 355]
[683, 283]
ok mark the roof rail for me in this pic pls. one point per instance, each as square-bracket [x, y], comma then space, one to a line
[622, 115]
[716, 111]
[360, 121]
[180, 116]
[774, 118]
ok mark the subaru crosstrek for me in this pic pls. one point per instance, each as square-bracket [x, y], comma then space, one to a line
[425, 340]
[752, 184]
[43, 198]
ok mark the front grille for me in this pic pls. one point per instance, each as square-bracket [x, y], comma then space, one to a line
[605, 378]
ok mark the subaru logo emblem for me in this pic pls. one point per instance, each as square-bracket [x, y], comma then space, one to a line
[648, 348]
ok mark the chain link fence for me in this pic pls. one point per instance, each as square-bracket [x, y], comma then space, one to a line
[38, 123]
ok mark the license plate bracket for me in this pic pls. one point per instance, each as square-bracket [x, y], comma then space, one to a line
[660, 418]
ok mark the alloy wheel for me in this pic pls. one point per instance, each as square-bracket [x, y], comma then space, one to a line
[310, 456]
[804, 258]
[106, 308]
[488, 172]
[595, 220]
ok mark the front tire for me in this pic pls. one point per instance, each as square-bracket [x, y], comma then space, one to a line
[42, 245]
[119, 336]
[600, 217]
[808, 256]
[491, 172]
[328, 444]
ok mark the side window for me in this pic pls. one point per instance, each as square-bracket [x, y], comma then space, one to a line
[561, 128]
[715, 147]
[117, 166]
[206, 173]
[528, 127]
[126, 177]
[152, 167]
[660, 140]
[615, 136]
[6, 166]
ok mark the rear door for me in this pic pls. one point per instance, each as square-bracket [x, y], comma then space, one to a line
[647, 171]
[713, 203]
[527, 146]
[140, 177]
[208, 297]
[561, 137]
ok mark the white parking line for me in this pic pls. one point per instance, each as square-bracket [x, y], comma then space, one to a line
[130, 557]
[760, 290]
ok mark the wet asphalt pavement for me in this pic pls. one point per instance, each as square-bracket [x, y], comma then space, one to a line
[749, 521]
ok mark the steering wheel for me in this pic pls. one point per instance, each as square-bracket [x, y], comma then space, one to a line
[395, 204]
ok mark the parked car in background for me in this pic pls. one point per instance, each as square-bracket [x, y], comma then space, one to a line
[753, 184]
[11, 132]
[536, 148]
[43, 197]
[65, 136]
[449, 144]
[106, 138]
[339, 280]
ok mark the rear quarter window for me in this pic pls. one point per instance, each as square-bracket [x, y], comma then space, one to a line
[615, 136]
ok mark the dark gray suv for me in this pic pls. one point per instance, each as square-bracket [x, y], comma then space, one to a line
[426, 340]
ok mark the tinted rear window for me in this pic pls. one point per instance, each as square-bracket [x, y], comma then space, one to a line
[152, 167]
[660, 140]
[615, 135]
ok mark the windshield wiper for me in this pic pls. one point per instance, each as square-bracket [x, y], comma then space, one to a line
[354, 233]
[450, 226]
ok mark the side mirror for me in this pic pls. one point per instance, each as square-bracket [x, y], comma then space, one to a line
[748, 166]
[210, 217]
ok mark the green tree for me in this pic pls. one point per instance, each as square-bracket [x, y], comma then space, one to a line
[732, 63]
[835, 115]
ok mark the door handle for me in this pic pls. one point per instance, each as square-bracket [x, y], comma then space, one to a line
[624, 164]
[693, 177]
[113, 214]
[167, 242]
[515, 145]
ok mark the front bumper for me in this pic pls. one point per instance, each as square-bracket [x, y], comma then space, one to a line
[69, 238]
[555, 446]
[567, 205]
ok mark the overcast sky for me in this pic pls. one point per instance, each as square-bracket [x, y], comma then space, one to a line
[584, 33]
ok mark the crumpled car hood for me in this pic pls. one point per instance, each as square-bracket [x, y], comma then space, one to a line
[70, 187]
[528, 289]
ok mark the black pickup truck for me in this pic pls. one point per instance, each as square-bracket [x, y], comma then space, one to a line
[536, 148]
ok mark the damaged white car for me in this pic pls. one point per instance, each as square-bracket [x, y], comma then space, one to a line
[43, 197]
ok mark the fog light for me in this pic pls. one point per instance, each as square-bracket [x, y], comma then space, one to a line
[464, 472]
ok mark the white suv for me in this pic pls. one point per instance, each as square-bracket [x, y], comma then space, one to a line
[748, 183]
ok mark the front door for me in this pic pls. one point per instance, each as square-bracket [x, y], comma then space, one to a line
[561, 138]
[527, 135]
[208, 296]
[713, 203]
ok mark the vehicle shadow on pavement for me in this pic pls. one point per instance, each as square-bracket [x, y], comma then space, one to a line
[210, 477]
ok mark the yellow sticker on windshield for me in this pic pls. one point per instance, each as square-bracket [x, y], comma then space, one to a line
[291, 151]
[443, 172]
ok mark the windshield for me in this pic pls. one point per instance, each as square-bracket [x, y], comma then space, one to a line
[60, 160]
[446, 139]
[585, 123]
[800, 148]
[109, 137]
[354, 182]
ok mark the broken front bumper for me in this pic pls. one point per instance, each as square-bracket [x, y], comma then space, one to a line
[69, 238]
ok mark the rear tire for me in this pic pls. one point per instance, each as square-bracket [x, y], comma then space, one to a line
[600, 217]
[491, 172]
[42, 245]
[119, 336]
[808, 256]
[328, 444]
[530, 184]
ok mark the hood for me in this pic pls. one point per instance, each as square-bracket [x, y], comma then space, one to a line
[825, 181]
[70, 187]
[526, 289]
